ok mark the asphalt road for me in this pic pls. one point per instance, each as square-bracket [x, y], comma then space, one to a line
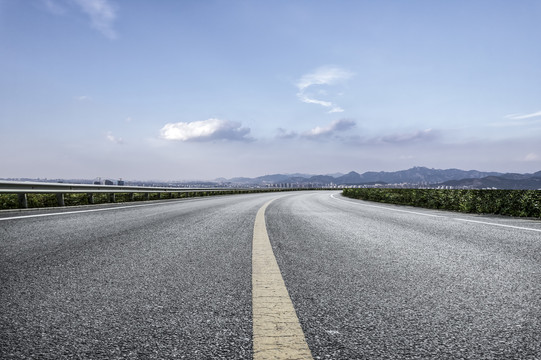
[173, 280]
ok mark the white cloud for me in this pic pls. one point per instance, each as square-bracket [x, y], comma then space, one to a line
[531, 157]
[205, 130]
[83, 98]
[308, 100]
[336, 109]
[522, 117]
[102, 15]
[322, 76]
[114, 139]
[517, 120]
[101, 12]
[326, 131]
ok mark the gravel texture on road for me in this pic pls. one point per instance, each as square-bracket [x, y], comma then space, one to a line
[171, 280]
[374, 283]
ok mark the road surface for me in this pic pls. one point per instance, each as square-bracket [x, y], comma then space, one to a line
[173, 279]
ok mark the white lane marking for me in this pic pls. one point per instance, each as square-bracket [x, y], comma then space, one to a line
[83, 211]
[496, 224]
[440, 216]
[277, 333]
[391, 209]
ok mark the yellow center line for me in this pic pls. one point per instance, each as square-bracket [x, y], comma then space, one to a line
[277, 333]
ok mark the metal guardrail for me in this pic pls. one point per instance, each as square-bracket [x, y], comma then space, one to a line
[27, 187]
[16, 187]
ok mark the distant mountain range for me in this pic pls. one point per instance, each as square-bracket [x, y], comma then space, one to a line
[413, 176]
[417, 176]
[498, 182]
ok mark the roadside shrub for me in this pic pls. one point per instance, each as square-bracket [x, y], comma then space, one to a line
[41, 200]
[526, 203]
[75, 199]
[9, 201]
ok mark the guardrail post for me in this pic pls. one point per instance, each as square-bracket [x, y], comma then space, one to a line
[60, 199]
[112, 197]
[147, 196]
[132, 196]
[23, 201]
[90, 198]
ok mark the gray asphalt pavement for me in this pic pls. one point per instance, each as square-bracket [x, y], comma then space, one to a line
[173, 280]
[374, 281]
[163, 281]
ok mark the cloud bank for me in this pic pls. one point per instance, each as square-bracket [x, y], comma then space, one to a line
[205, 130]
[285, 134]
[330, 130]
[422, 135]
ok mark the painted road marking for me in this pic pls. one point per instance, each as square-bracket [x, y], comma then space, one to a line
[495, 224]
[277, 333]
[90, 210]
[391, 209]
[453, 218]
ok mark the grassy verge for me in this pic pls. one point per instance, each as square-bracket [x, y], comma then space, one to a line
[502, 202]
[10, 201]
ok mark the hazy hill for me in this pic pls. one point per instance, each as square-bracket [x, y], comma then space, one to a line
[413, 176]
[266, 179]
[416, 175]
[499, 182]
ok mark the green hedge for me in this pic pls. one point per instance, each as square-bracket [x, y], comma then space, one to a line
[10, 201]
[502, 202]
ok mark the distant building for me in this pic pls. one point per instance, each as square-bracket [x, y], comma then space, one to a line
[120, 182]
[108, 182]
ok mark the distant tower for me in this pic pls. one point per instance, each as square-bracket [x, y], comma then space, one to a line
[120, 182]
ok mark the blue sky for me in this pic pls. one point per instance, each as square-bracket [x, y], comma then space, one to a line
[203, 89]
